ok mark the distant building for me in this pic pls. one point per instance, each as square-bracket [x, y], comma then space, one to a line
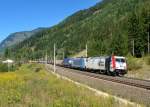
[8, 61]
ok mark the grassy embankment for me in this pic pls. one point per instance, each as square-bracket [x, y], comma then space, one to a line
[139, 67]
[28, 88]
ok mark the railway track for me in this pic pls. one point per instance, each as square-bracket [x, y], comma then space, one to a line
[144, 84]
[136, 90]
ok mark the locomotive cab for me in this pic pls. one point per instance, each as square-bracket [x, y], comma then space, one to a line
[118, 65]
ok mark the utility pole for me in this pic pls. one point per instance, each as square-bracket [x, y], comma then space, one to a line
[63, 54]
[148, 44]
[133, 47]
[86, 51]
[54, 58]
[101, 49]
[46, 59]
[8, 66]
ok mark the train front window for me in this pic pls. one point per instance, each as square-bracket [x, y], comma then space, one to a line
[120, 60]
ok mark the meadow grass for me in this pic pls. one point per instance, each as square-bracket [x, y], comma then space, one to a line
[139, 67]
[28, 88]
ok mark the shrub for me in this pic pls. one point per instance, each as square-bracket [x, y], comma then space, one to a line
[4, 67]
[133, 64]
[37, 69]
[148, 60]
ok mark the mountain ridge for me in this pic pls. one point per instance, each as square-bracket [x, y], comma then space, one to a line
[17, 37]
[108, 27]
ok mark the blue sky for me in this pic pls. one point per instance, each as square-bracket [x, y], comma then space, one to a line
[24, 15]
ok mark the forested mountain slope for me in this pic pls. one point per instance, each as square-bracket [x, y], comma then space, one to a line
[108, 27]
[18, 37]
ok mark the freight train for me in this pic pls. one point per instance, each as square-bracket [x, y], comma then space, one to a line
[110, 65]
